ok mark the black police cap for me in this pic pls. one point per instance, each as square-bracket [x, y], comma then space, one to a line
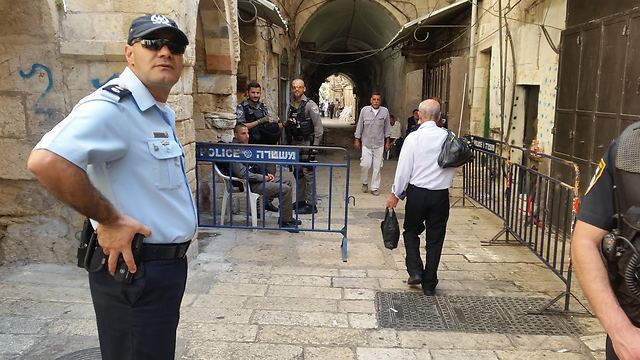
[149, 23]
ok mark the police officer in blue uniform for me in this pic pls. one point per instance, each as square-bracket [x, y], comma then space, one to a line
[116, 159]
[606, 246]
[253, 113]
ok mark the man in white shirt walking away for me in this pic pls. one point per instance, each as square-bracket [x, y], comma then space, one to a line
[426, 187]
[372, 135]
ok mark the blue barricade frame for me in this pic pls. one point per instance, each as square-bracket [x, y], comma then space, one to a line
[282, 157]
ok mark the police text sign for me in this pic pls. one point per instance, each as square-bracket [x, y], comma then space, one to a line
[246, 153]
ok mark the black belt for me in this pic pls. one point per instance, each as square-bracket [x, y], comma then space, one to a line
[151, 252]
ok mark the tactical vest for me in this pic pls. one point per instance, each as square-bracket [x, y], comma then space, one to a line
[621, 248]
[251, 114]
[302, 127]
[268, 133]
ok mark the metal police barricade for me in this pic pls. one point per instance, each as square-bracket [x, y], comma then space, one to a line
[217, 186]
[537, 210]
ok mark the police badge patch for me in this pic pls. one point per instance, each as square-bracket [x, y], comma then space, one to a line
[596, 176]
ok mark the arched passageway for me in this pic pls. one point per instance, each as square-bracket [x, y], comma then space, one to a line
[352, 46]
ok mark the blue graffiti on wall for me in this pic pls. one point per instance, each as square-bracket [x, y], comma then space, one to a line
[35, 69]
[96, 82]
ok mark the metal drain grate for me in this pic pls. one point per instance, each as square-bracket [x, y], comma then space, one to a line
[475, 314]
[86, 354]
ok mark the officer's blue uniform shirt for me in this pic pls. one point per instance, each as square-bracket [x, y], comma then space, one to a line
[128, 146]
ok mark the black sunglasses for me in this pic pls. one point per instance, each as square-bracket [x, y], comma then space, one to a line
[157, 44]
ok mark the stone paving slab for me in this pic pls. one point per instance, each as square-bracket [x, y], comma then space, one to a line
[305, 292]
[299, 318]
[292, 304]
[312, 335]
[453, 340]
[359, 294]
[206, 350]
[329, 353]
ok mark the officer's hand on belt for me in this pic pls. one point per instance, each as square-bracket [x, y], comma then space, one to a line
[115, 238]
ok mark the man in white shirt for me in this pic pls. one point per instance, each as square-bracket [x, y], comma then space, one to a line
[426, 187]
[372, 135]
[395, 139]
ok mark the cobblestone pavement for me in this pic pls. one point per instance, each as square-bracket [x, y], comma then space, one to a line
[276, 295]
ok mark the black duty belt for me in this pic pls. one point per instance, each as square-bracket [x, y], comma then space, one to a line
[151, 252]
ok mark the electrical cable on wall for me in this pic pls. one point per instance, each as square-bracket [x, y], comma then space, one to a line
[255, 12]
[415, 37]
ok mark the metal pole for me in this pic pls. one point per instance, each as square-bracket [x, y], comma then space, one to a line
[464, 93]
[502, 85]
[472, 49]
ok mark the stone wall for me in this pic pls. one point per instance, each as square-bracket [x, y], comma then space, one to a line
[535, 64]
[218, 52]
[33, 98]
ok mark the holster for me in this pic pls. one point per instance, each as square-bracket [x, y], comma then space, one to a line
[85, 237]
[92, 258]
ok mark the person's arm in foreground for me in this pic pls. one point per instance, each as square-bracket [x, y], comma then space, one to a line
[592, 274]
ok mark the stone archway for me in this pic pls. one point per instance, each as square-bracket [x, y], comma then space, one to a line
[215, 81]
[215, 78]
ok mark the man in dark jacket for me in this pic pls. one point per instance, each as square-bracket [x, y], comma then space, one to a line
[260, 179]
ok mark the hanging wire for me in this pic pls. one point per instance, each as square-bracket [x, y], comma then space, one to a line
[224, 17]
[338, 52]
[549, 40]
[415, 37]
[255, 11]
[270, 31]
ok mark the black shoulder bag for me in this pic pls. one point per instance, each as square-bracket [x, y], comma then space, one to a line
[455, 151]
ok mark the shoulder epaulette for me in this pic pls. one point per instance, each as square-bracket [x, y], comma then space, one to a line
[117, 90]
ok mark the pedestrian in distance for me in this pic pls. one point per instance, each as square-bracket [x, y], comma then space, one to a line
[304, 127]
[606, 244]
[372, 137]
[444, 118]
[263, 128]
[412, 122]
[260, 179]
[425, 186]
[395, 138]
[331, 108]
[116, 159]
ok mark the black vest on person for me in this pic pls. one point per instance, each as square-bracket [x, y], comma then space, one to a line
[251, 114]
[623, 263]
[301, 127]
[268, 133]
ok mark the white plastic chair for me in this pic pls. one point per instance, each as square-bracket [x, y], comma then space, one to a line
[228, 189]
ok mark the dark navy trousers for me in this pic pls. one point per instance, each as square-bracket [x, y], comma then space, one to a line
[138, 321]
[425, 209]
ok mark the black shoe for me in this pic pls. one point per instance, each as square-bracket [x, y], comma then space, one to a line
[291, 226]
[414, 280]
[308, 209]
[300, 204]
[292, 221]
[270, 207]
[429, 292]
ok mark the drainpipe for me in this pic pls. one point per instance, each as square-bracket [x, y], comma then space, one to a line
[472, 50]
